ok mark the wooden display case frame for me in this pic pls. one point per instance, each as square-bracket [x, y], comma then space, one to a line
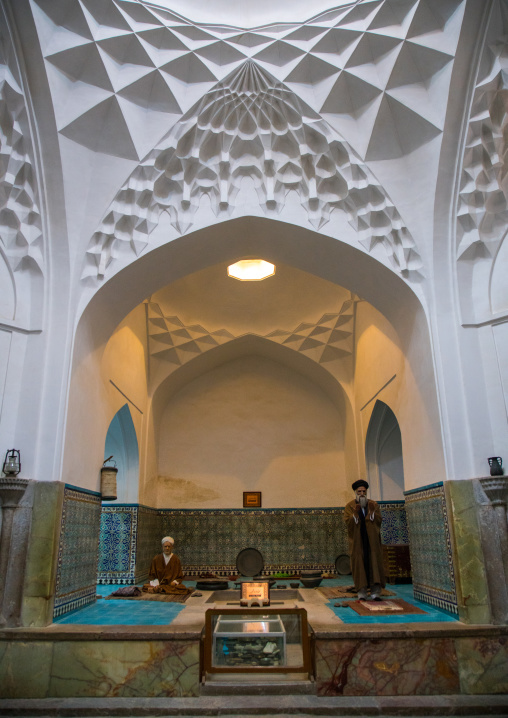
[208, 666]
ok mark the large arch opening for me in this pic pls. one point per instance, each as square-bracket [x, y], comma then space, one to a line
[388, 337]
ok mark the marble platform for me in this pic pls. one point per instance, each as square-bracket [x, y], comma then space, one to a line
[350, 659]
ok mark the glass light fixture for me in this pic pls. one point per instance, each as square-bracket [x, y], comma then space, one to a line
[251, 270]
[12, 463]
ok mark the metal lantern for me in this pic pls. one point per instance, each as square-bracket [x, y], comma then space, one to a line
[12, 463]
[496, 465]
[108, 480]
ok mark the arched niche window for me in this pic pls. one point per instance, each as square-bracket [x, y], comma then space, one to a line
[122, 443]
[383, 450]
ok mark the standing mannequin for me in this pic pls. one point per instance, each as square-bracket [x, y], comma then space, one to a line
[363, 522]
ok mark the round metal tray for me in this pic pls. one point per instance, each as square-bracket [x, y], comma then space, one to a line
[249, 562]
[343, 564]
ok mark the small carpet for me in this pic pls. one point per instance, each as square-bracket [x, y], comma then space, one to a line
[346, 592]
[164, 597]
[376, 608]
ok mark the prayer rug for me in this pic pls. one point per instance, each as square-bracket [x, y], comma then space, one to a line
[346, 592]
[164, 597]
[395, 607]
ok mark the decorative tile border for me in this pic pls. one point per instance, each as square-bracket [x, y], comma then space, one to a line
[79, 528]
[430, 547]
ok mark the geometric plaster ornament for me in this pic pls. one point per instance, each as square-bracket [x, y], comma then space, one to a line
[374, 66]
[252, 125]
[482, 216]
[330, 338]
[122, 72]
[20, 220]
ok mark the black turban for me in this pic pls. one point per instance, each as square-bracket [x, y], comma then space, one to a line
[360, 482]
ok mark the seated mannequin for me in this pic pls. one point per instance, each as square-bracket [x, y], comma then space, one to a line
[166, 571]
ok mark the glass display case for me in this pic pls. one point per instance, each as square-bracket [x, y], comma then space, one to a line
[249, 641]
[256, 640]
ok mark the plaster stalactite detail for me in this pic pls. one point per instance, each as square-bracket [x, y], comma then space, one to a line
[250, 125]
[20, 220]
[329, 338]
[123, 72]
[483, 198]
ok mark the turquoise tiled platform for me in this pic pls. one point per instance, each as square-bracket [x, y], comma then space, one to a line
[122, 613]
[432, 613]
[151, 613]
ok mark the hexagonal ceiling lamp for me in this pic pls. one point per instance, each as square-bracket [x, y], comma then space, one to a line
[251, 270]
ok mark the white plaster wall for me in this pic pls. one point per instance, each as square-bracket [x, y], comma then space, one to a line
[500, 332]
[403, 380]
[104, 379]
[5, 346]
[251, 425]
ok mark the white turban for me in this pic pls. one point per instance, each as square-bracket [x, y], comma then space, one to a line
[167, 538]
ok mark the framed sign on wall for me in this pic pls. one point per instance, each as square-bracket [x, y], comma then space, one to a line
[252, 499]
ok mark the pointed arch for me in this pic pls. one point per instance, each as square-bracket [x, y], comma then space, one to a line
[122, 443]
[383, 453]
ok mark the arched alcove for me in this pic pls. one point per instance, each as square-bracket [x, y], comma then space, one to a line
[122, 444]
[383, 452]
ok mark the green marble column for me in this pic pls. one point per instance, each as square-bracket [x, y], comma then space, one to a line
[39, 586]
[472, 586]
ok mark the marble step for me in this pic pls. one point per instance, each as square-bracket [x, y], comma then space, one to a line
[472, 706]
[255, 686]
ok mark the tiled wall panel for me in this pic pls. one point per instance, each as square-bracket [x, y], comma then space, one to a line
[150, 532]
[210, 540]
[394, 530]
[78, 550]
[288, 539]
[117, 545]
[430, 546]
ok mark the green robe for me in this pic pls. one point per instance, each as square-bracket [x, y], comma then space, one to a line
[356, 548]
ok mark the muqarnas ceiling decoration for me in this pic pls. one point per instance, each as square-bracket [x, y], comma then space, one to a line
[20, 220]
[251, 125]
[375, 65]
[123, 73]
[330, 338]
[483, 197]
